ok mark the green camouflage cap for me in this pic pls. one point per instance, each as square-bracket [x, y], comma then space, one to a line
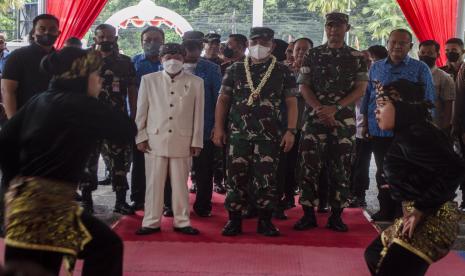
[337, 17]
[261, 32]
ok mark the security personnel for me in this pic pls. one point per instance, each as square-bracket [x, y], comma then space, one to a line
[212, 48]
[251, 94]
[119, 85]
[333, 76]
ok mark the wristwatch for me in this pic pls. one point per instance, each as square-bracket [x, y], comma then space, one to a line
[292, 130]
[339, 107]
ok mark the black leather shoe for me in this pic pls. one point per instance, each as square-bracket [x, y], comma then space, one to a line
[168, 212]
[335, 221]
[105, 182]
[203, 214]
[147, 231]
[219, 188]
[265, 226]
[137, 206]
[124, 209]
[234, 225]
[322, 209]
[382, 216]
[188, 230]
[279, 214]
[308, 221]
[193, 188]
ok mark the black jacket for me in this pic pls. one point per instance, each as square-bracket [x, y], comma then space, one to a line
[421, 166]
[53, 135]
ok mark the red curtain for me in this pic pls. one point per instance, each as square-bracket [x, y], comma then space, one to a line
[431, 19]
[76, 16]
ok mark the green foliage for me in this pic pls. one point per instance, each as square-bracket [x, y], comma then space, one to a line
[7, 5]
[327, 6]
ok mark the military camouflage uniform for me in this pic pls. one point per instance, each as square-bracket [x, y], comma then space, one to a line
[118, 75]
[331, 75]
[254, 134]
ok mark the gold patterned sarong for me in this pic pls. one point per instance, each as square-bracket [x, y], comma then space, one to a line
[433, 237]
[42, 214]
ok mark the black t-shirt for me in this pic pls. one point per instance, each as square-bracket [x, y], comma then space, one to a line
[23, 66]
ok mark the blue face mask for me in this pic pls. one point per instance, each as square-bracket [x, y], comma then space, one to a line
[152, 48]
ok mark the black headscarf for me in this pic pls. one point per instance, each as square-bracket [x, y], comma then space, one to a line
[70, 69]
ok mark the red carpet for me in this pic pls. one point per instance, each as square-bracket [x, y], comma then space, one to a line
[318, 252]
[360, 235]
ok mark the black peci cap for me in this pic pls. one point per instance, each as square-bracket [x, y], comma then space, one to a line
[172, 48]
[261, 32]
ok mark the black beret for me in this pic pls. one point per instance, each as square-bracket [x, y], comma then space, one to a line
[337, 17]
[194, 35]
[211, 37]
[261, 32]
[172, 48]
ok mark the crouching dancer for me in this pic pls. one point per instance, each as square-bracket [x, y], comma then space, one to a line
[46, 145]
[423, 172]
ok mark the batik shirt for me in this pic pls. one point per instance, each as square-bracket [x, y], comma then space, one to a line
[262, 120]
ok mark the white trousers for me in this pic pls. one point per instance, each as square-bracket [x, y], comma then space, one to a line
[156, 169]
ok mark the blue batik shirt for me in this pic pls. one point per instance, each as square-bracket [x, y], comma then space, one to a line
[386, 72]
[145, 66]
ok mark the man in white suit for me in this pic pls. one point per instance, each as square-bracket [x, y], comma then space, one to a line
[170, 112]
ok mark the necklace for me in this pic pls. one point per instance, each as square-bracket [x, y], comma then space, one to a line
[255, 92]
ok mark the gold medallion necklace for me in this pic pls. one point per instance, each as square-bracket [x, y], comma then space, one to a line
[255, 92]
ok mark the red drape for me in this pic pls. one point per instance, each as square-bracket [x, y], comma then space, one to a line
[431, 19]
[76, 16]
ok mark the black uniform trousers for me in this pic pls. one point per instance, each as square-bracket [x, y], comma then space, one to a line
[138, 176]
[286, 175]
[360, 180]
[103, 255]
[398, 261]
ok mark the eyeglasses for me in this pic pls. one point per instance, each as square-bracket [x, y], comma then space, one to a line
[400, 43]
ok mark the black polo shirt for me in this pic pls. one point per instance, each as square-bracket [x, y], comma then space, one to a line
[23, 66]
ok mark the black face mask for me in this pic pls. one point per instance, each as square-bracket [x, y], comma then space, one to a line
[152, 49]
[228, 52]
[430, 61]
[46, 39]
[107, 46]
[453, 57]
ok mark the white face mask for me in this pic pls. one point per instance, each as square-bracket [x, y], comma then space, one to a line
[259, 52]
[172, 66]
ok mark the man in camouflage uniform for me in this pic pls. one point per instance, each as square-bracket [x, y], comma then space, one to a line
[254, 130]
[119, 85]
[333, 76]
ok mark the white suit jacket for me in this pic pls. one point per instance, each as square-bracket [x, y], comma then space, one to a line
[170, 113]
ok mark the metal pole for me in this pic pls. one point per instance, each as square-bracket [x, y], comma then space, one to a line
[257, 13]
[41, 6]
[460, 30]
[348, 13]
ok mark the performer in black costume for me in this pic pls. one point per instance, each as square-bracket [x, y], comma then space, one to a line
[45, 147]
[423, 172]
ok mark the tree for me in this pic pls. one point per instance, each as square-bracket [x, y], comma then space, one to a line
[327, 6]
[383, 17]
[7, 5]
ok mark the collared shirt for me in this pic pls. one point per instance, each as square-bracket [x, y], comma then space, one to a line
[118, 76]
[451, 69]
[3, 58]
[211, 75]
[23, 66]
[145, 66]
[444, 86]
[386, 72]
[262, 120]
